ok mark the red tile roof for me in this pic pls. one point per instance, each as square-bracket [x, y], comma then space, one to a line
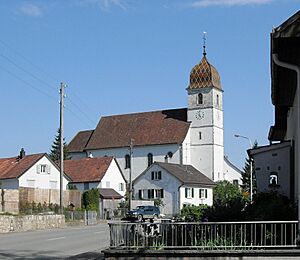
[79, 142]
[148, 128]
[87, 169]
[11, 168]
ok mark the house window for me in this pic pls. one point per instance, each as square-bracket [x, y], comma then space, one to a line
[156, 175]
[218, 101]
[235, 182]
[159, 194]
[151, 194]
[43, 168]
[200, 135]
[121, 186]
[150, 159]
[107, 184]
[127, 161]
[86, 186]
[273, 178]
[203, 193]
[189, 193]
[200, 99]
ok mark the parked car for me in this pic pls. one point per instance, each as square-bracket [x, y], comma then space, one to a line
[144, 212]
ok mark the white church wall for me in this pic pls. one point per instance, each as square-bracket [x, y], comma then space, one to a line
[231, 173]
[78, 155]
[139, 158]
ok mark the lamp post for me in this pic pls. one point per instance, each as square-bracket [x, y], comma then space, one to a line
[251, 171]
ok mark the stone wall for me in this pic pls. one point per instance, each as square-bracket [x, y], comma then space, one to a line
[30, 222]
[9, 201]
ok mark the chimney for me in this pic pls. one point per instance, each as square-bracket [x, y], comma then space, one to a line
[22, 154]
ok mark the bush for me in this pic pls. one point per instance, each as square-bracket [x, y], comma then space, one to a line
[271, 206]
[90, 199]
[193, 213]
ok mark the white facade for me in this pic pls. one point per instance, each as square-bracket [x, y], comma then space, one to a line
[112, 179]
[42, 175]
[207, 131]
[172, 188]
[140, 156]
[231, 172]
[273, 168]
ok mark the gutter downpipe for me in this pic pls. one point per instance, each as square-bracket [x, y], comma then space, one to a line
[297, 69]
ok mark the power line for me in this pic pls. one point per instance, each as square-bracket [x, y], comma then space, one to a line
[28, 61]
[29, 73]
[27, 83]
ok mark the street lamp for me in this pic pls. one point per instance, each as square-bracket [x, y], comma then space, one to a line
[251, 181]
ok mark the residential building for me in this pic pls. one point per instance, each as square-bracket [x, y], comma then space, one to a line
[30, 171]
[99, 172]
[176, 185]
[273, 168]
[285, 76]
[192, 135]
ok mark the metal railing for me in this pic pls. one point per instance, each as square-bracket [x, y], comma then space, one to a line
[204, 235]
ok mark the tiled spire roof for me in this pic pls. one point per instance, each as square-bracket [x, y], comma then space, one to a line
[204, 75]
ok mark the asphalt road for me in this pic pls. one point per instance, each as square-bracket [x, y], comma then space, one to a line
[56, 243]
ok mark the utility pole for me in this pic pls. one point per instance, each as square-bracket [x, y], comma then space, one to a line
[130, 174]
[61, 131]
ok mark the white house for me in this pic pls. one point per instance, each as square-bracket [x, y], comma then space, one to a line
[99, 172]
[30, 171]
[192, 135]
[285, 79]
[273, 168]
[176, 185]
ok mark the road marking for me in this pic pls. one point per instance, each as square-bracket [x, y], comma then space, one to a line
[56, 238]
[99, 232]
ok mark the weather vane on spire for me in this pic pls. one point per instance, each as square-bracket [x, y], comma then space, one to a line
[204, 43]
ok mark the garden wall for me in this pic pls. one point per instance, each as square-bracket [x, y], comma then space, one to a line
[50, 196]
[30, 222]
[9, 201]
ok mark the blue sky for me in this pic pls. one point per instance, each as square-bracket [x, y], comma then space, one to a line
[123, 56]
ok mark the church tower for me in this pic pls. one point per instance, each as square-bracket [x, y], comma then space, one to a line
[205, 112]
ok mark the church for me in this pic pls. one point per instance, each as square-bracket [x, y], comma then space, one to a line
[184, 136]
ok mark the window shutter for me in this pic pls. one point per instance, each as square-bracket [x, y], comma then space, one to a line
[38, 168]
[192, 192]
[186, 192]
[152, 175]
[140, 194]
[48, 169]
[206, 193]
[162, 193]
[159, 175]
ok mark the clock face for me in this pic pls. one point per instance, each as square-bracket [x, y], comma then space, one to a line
[199, 115]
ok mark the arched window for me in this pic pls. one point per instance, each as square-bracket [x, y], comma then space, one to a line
[150, 158]
[218, 100]
[273, 178]
[200, 99]
[127, 161]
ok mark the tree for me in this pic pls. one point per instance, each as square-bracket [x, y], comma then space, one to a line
[90, 199]
[55, 149]
[246, 176]
[228, 203]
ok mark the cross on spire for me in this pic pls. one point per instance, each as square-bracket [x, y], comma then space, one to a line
[204, 44]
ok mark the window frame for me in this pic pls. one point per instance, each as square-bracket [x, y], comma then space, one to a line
[127, 161]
